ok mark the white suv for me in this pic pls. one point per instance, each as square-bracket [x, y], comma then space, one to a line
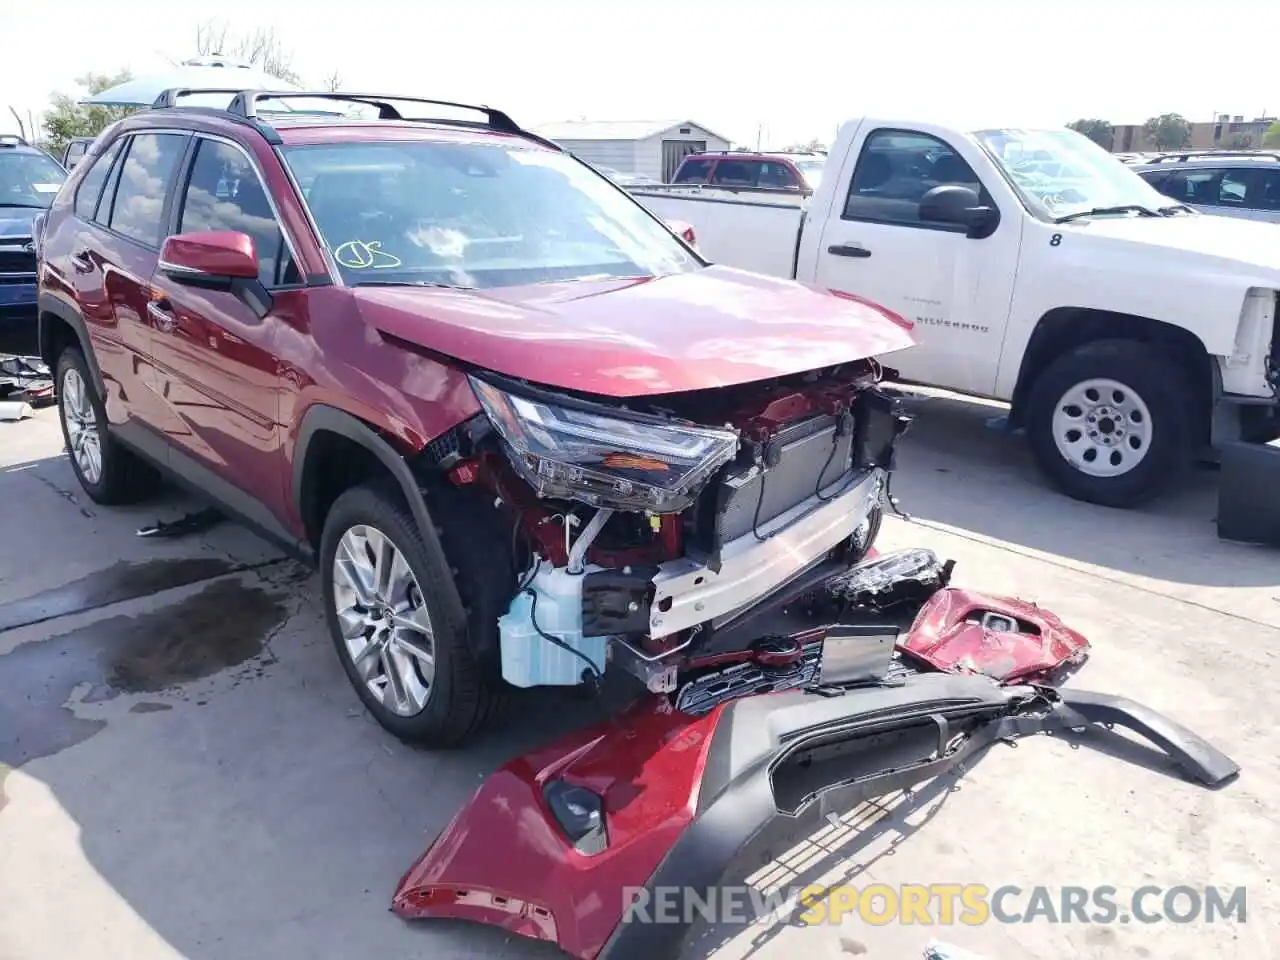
[1244, 184]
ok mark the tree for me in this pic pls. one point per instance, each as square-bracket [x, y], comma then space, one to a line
[813, 146]
[1099, 131]
[66, 118]
[1272, 137]
[333, 82]
[261, 49]
[1169, 131]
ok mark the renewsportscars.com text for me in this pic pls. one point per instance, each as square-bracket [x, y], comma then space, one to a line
[940, 904]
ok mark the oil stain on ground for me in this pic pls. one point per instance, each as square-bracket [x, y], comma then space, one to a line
[224, 624]
[119, 582]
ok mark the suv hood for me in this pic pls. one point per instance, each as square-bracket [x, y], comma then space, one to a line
[1249, 243]
[634, 337]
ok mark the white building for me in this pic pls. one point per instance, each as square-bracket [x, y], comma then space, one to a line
[653, 148]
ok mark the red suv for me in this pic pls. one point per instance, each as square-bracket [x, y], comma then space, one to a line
[521, 427]
[753, 171]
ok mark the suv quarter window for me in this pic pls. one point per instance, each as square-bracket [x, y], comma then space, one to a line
[146, 175]
[89, 192]
[1268, 190]
[895, 169]
[224, 192]
[777, 175]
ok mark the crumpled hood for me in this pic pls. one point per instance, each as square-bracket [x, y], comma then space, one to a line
[15, 223]
[635, 337]
[1251, 244]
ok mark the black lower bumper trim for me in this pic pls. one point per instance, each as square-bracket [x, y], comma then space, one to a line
[756, 735]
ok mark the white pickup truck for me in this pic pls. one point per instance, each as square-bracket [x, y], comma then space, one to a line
[1128, 332]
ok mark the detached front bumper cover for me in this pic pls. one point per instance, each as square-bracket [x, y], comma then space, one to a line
[552, 842]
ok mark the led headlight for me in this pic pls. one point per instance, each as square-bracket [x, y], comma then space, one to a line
[605, 457]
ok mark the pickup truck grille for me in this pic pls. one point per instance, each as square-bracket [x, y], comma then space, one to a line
[14, 259]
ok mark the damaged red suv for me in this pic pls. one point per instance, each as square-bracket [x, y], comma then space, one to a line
[523, 429]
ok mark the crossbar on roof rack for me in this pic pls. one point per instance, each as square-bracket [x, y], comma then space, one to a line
[1212, 154]
[246, 105]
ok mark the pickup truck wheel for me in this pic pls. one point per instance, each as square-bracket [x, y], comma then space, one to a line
[1110, 422]
[109, 472]
[415, 674]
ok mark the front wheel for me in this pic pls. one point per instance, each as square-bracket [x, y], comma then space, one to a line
[416, 673]
[1111, 422]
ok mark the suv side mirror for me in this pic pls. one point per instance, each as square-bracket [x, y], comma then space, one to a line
[216, 260]
[961, 206]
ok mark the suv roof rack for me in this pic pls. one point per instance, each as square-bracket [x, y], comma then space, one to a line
[1214, 154]
[244, 106]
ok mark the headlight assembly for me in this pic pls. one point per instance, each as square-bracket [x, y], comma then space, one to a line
[605, 457]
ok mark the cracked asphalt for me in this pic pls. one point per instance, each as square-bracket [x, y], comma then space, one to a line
[185, 772]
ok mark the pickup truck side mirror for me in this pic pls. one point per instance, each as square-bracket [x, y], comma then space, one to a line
[959, 205]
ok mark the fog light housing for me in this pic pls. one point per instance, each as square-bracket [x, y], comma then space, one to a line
[580, 814]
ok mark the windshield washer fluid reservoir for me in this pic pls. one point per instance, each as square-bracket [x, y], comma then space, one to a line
[553, 601]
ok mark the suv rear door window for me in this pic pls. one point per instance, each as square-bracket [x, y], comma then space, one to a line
[90, 189]
[224, 192]
[145, 178]
[735, 173]
[693, 171]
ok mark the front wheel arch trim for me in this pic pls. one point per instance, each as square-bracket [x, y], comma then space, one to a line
[324, 418]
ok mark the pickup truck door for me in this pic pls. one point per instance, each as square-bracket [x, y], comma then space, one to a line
[954, 289]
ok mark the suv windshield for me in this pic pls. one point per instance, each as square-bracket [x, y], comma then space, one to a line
[476, 215]
[28, 179]
[1060, 172]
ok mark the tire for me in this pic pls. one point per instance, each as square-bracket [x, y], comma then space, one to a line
[1142, 436]
[109, 472]
[449, 700]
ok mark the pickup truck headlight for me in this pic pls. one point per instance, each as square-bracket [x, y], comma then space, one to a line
[605, 457]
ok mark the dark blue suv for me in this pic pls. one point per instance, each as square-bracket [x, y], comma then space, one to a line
[29, 180]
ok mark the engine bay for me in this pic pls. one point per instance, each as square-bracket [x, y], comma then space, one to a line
[650, 525]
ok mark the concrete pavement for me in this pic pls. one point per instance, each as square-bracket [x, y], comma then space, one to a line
[185, 771]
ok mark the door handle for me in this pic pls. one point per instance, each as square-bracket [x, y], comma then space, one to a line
[848, 250]
[81, 262]
[161, 313]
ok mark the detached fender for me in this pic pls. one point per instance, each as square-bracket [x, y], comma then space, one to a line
[323, 418]
[51, 309]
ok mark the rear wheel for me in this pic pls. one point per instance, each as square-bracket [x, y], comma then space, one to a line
[109, 472]
[1111, 422]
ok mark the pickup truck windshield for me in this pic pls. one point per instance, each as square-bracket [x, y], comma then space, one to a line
[28, 179]
[1060, 172]
[476, 215]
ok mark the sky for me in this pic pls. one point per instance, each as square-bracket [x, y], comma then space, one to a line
[780, 72]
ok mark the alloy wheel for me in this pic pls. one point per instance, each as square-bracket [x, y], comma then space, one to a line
[383, 616]
[83, 438]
